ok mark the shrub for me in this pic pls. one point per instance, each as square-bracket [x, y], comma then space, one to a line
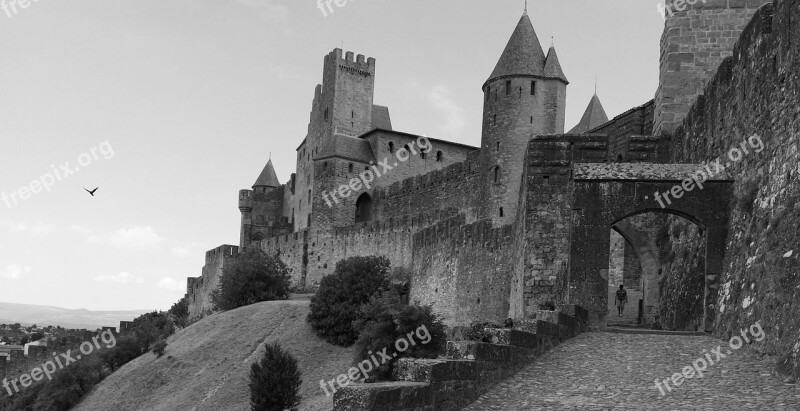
[159, 347]
[251, 278]
[341, 295]
[275, 381]
[476, 332]
[180, 312]
[386, 321]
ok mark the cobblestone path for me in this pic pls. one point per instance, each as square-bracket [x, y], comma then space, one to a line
[604, 371]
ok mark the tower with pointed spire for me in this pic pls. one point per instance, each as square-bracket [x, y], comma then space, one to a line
[524, 96]
[594, 116]
[262, 208]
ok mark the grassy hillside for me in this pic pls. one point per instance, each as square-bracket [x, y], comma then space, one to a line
[206, 366]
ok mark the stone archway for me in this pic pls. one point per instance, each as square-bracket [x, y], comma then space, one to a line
[363, 208]
[603, 196]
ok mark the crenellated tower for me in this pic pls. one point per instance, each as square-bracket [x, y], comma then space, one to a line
[342, 107]
[525, 96]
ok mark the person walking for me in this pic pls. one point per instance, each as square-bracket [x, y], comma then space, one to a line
[622, 298]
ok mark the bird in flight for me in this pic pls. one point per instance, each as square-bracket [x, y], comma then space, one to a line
[91, 192]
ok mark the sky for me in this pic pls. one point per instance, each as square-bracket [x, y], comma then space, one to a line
[172, 106]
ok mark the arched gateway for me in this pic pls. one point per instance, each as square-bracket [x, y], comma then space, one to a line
[605, 194]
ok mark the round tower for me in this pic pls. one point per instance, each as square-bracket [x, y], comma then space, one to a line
[524, 96]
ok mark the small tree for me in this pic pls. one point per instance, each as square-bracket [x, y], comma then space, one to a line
[340, 297]
[180, 312]
[275, 381]
[251, 278]
[386, 320]
[159, 347]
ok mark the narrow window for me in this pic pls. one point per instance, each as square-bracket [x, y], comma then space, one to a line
[309, 196]
[325, 166]
[531, 119]
[350, 168]
[352, 114]
[508, 87]
[391, 147]
[498, 147]
[438, 156]
[497, 174]
[326, 114]
[422, 155]
[494, 119]
[533, 87]
[501, 211]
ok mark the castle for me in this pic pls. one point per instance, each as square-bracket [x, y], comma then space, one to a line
[495, 231]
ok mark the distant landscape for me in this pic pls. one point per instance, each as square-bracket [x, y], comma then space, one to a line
[42, 315]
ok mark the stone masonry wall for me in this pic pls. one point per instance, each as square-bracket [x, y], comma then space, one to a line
[616, 261]
[756, 91]
[694, 43]
[465, 271]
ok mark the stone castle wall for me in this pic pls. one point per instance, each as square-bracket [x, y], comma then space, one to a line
[755, 91]
[464, 270]
[694, 43]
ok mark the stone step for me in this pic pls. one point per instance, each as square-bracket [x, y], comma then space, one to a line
[510, 336]
[389, 396]
[431, 371]
[538, 327]
[580, 313]
[557, 317]
[471, 350]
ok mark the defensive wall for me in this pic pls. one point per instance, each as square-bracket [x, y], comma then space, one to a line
[756, 92]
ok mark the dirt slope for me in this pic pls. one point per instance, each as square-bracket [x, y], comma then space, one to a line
[206, 365]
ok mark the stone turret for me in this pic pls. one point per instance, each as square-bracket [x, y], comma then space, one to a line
[524, 96]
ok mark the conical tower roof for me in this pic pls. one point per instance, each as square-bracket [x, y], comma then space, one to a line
[594, 116]
[552, 67]
[523, 54]
[268, 178]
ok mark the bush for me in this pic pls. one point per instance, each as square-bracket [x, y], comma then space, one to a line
[476, 332]
[386, 321]
[251, 278]
[180, 312]
[341, 295]
[159, 347]
[275, 381]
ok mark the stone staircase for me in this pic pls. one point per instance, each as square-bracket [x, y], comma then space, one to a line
[469, 368]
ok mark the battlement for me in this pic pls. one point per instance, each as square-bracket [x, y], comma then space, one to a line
[358, 65]
[455, 233]
[224, 251]
[469, 167]
[559, 150]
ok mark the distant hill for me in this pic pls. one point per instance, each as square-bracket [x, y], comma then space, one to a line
[42, 315]
[206, 366]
